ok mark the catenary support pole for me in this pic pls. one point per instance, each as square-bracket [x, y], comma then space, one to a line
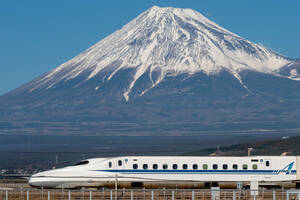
[91, 195]
[111, 196]
[173, 195]
[131, 195]
[27, 195]
[193, 195]
[48, 195]
[213, 194]
[6, 195]
[116, 187]
[42, 192]
[274, 195]
[233, 195]
[69, 195]
[152, 195]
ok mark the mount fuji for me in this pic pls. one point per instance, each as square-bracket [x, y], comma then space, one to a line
[168, 71]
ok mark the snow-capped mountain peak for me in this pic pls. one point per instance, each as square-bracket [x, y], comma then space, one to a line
[169, 41]
[169, 71]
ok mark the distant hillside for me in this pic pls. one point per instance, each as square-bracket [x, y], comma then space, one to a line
[268, 147]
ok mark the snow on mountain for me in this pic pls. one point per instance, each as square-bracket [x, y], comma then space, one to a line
[170, 41]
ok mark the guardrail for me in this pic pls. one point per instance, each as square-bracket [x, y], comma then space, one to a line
[132, 194]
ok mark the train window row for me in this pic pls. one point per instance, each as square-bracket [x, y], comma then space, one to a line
[119, 163]
[195, 166]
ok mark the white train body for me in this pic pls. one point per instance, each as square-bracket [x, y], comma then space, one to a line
[152, 169]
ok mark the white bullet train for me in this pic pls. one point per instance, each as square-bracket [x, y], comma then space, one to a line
[150, 171]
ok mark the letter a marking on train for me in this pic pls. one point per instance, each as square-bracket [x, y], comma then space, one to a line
[287, 169]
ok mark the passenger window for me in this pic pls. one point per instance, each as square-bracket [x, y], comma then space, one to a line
[254, 166]
[145, 166]
[268, 163]
[215, 166]
[225, 166]
[119, 162]
[135, 166]
[165, 166]
[205, 166]
[245, 166]
[184, 166]
[175, 166]
[235, 166]
[155, 166]
[195, 166]
[109, 164]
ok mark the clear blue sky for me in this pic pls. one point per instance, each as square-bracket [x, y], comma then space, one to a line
[37, 36]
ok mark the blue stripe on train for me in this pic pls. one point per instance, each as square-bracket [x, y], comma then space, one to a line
[138, 171]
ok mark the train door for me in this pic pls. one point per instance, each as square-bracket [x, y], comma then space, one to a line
[268, 168]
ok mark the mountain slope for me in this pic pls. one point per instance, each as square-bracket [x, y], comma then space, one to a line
[165, 40]
[168, 65]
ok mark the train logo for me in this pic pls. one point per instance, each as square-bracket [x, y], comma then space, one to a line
[287, 169]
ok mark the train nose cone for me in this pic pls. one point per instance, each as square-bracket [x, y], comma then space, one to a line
[32, 183]
[36, 180]
[47, 179]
